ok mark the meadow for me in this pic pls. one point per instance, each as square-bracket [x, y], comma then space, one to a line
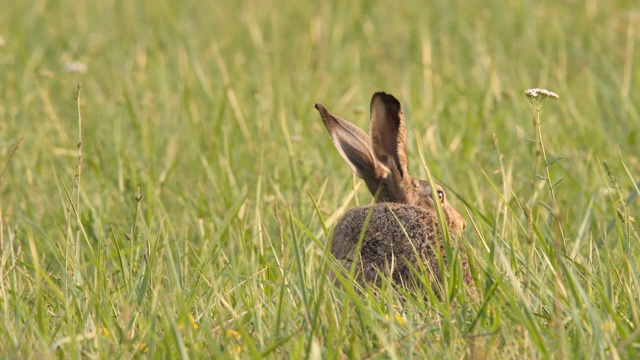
[167, 188]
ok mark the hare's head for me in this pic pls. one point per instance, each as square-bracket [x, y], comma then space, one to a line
[381, 158]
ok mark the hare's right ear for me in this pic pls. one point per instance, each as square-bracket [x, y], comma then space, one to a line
[354, 146]
[388, 143]
[388, 134]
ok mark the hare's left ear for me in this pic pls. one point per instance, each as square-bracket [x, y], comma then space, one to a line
[388, 134]
[355, 147]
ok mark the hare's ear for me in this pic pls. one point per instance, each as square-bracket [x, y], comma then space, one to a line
[388, 134]
[354, 146]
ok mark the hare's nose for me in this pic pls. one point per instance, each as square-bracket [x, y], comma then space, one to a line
[463, 224]
[459, 223]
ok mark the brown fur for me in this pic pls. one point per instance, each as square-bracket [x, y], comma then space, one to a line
[397, 239]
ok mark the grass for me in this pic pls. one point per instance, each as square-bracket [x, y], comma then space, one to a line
[192, 218]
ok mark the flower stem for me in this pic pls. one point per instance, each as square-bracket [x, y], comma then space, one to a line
[547, 177]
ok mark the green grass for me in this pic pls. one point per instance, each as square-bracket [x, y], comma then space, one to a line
[208, 185]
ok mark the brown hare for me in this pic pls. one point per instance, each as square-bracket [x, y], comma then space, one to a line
[402, 230]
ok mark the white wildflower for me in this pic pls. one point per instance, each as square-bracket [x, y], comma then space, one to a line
[75, 66]
[542, 93]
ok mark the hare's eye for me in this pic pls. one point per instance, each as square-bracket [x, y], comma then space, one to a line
[441, 195]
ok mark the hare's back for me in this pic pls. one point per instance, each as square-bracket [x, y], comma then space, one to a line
[391, 228]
